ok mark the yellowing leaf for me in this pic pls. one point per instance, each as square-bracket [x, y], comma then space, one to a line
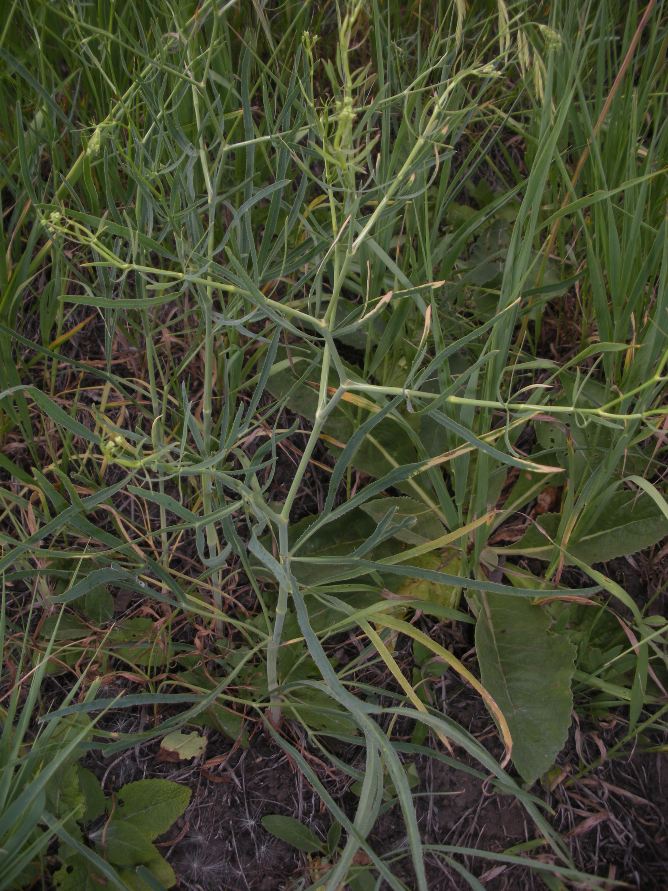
[179, 746]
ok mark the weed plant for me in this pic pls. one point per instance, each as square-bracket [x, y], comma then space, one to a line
[324, 327]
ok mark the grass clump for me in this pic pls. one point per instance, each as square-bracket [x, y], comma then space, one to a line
[332, 346]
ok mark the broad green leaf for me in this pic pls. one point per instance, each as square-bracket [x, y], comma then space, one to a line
[98, 605]
[333, 837]
[629, 523]
[161, 872]
[65, 795]
[599, 639]
[65, 627]
[579, 449]
[653, 493]
[347, 312]
[135, 640]
[94, 799]
[95, 581]
[151, 806]
[357, 596]
[362, 881]
[293, 832]
[124, 843]
[183, 746]
[528, 670]
[76, 874]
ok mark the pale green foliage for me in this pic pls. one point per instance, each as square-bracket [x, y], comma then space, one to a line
[306, 298]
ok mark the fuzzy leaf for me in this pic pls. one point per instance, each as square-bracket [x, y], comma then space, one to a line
[528, 671]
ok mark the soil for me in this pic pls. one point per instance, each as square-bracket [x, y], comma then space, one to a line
[613, 819]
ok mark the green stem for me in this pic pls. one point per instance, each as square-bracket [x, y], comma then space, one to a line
[274, 644]
[524, 407]
[427, 135]
[342, 258]
[208, 491]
